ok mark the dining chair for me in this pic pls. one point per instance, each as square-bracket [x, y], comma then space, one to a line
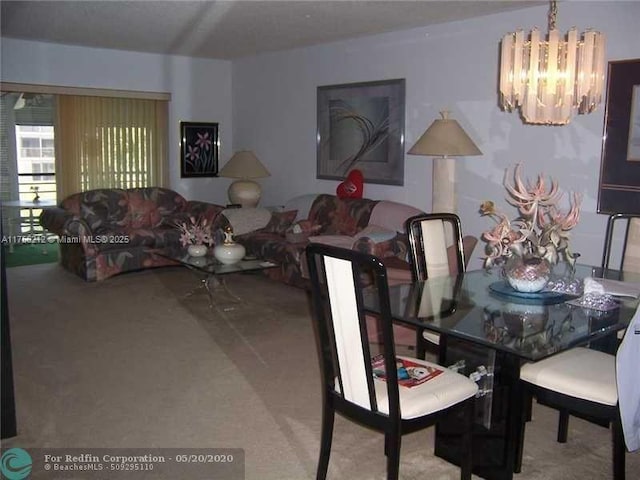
[351, 385]
[630, 253]
[593, 385]
[436, 248]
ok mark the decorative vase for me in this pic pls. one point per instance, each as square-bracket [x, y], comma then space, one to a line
[197, 250]
[527, 274]
[229, 253]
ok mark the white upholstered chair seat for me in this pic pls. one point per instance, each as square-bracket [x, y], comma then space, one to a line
[579, 372]
[438, 393]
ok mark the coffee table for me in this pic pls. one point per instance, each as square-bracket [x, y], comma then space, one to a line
[212, 270]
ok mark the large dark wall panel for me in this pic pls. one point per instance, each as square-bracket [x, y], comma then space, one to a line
[9, 428]
[619, 190]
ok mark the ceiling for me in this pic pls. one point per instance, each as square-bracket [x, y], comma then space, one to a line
[226, 29]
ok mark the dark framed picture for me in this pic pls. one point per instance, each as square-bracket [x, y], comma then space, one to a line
[199, 147]
[361, 126]
[619, 189]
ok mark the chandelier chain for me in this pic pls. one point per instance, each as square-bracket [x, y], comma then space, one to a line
[553, 13]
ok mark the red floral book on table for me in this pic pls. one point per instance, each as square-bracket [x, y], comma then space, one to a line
[410, 374]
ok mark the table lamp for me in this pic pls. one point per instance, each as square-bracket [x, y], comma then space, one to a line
[444, 139]
[245, 166]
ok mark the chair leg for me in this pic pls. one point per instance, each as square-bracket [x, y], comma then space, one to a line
[392, 441]
[421, 345]
[563, 426]
[328, 415]
[466, 462]
[527, 402]
[619, 449]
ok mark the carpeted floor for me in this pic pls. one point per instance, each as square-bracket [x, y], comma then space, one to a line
[132, 362]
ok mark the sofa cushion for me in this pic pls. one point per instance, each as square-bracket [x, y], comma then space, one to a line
[392, 215]
[302, 204]
[280, 221]
[301, 231]
[245, 220]
[342, 241]
[105, 207]
[340, 216]
[153, 206]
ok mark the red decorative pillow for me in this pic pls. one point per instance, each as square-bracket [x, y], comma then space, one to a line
[352, 187]
[280, 221]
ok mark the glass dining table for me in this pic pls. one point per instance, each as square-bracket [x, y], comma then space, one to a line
[487, 331]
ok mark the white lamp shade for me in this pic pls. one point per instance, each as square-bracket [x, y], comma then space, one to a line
[244, 165]
[446, 138]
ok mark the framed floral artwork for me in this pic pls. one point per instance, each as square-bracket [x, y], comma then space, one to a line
[361, 126]
[619, 189]
[199, 148]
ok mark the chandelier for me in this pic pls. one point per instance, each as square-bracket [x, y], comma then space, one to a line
[550, 79]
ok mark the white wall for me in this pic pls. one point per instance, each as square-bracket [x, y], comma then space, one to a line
[453, 66]
[200, 91]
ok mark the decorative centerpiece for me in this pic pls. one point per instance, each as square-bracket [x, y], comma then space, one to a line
[538, 238]
[196, 236]
[229, 252]
[34, 189]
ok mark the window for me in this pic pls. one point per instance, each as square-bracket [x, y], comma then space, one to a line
[35, 155]
[103, 138]
[111, 142]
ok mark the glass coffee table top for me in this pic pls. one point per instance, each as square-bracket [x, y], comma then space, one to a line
[209, 264]
[211, 270]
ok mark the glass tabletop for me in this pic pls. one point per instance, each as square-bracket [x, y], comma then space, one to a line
[210, 265]
[476, 307]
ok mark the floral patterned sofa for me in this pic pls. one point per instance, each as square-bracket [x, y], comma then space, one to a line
[105, 232]
[372, 226]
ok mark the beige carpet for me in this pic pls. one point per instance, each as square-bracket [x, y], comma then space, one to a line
[130, 362]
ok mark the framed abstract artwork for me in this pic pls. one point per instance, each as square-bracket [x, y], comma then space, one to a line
[199, 148]
[361, 125]
[619, 189]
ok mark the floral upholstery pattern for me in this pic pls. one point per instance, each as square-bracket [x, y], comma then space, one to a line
[280, 221]
[338, 216]
[105, 232]
[329, 216]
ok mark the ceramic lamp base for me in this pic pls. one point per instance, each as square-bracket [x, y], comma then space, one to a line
[244, 192]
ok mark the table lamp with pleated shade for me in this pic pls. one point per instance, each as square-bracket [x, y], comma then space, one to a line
[244, 166]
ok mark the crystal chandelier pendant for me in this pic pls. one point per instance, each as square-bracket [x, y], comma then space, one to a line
[551, 79]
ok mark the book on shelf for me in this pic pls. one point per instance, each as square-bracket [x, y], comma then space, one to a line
[410, 373]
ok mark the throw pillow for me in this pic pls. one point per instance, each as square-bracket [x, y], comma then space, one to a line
[280, 221]
[301, 231]
[245, 220]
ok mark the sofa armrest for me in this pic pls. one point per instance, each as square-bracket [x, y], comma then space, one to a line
[77, 227]
[393, 247]
[55, 219]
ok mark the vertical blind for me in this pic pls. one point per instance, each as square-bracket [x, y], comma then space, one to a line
[104, 142]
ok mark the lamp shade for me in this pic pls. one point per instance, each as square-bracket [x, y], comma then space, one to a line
[445, 137]
[244, 164]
